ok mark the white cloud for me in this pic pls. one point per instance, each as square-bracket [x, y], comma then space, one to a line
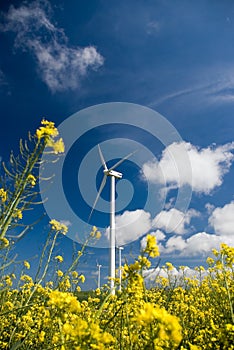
[130, 226]
[222, 219]
[199, 244]
[174, 244]
[61, 67]
[174, 220]
[209, 207]
[208, 166]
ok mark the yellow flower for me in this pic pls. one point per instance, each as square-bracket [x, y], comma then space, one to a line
[31, 179]
[210, 261]
[144, 262]
[97, 291]
[58, 226]
[47, 130]
[58, 146]
[26, 279]
[64, 300]
[59, 258]
[26, 264]
[169, 266]
[147, 314]
[18, 214]
[42, 336]
[193, 347]
[8, 281]
[82, 278]
[95, 233]
[98, 235]
[3, 195]
[151, 246]
[59, 273]
[74, 274]
[4, 243]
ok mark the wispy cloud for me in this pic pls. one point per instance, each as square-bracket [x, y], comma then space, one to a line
[153, 27]
[216, 86]
[60, 66]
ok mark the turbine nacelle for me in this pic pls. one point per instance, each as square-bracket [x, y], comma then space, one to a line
[114, 173]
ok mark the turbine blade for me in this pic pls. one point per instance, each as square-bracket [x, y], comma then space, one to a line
[122, 160]
[102, 158]
[98, 195]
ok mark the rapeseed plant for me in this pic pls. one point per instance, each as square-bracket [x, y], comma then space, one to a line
[193, 313]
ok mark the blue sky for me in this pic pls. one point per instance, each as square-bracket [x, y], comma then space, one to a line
[58, 59]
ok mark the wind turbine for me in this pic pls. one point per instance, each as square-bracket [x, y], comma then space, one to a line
[99, 274]
[113, 175]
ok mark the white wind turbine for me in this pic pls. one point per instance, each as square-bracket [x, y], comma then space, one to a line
[99, 274]
[113, 175]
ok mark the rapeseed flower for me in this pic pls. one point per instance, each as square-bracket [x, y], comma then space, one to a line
[26, 264]
[4, 242]
[58, 226]
[3, 195]
[31, 179]
[59, 258]
[151, 246]
[46, 130]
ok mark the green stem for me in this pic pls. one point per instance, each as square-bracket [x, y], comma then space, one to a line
[17, 194]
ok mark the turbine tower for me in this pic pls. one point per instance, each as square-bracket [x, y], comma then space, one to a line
[113, 175]
[99, 274]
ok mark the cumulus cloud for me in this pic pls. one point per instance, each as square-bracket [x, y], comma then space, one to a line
[61, 67]
[174, 220]
[173, 244]
[204, 171]
[222, 219]
[130, 226]
[199, 244]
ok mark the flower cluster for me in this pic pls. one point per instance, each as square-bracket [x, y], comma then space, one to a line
[49, 132]
[190, 314]
[3, 195]
[151, 246]
[58, 226]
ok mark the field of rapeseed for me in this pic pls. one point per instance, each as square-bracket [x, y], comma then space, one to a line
[189, 313]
